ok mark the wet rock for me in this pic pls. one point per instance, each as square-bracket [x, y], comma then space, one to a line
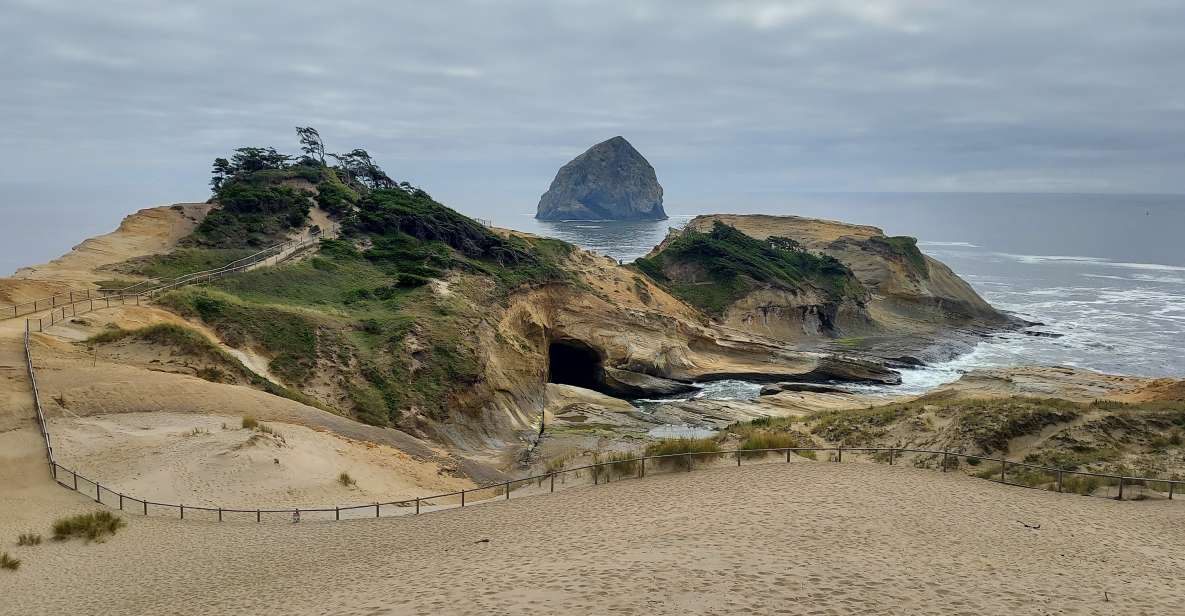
[626, 384]
[777, 388]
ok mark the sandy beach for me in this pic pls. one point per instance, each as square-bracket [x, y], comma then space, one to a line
[805, 538]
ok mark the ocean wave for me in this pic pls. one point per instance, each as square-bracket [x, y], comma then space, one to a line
[954, 244]
[1092, 261]
[1141, 278]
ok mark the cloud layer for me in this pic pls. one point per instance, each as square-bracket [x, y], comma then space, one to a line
[481, 101]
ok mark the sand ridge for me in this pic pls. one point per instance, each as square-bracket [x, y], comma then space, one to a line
[802, 538]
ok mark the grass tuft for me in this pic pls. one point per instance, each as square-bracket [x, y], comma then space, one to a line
[761, 439]
[250, 423]
[90, 526]
[28, 539]
[617, 464]
[675, 446]
[346, 480]
[8, 562]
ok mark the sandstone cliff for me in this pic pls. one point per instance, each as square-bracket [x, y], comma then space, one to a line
[910, 303]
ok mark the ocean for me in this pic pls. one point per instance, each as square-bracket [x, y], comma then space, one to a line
[1106, 272]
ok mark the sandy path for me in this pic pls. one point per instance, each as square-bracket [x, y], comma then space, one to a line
[807, 538]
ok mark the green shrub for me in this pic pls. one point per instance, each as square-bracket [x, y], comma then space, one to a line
[8, 562]
[346, 480]
[90, 526]
[252, 214]
[726, 264]
[907, 248]
[28, 539]
[336, 198]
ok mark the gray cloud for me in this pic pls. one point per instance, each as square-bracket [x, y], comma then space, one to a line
[481, 101]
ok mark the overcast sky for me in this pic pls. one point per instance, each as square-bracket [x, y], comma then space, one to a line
[111, 106]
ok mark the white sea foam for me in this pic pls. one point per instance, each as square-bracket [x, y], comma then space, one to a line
[952, 244]
[1092, 261]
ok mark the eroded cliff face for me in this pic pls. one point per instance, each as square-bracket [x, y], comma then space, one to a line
[636, 340]
[909, 294]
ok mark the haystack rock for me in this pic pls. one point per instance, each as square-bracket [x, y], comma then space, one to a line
[610, 181]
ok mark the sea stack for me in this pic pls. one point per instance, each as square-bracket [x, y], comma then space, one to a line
[610, 181]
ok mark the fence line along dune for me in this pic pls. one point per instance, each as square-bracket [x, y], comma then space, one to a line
[805, 538]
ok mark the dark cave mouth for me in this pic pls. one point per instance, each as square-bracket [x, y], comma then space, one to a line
[572, 362]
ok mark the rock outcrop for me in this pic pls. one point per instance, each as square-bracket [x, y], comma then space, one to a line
[610, 181]
[911, 303]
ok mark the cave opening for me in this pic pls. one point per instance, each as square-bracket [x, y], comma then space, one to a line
[572, 362]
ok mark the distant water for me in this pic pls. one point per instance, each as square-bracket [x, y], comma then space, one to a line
[1107, 272]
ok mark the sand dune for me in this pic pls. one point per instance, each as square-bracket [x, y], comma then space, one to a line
[211, 461]
[804, 538]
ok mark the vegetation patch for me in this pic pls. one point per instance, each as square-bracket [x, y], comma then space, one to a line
[758, 441]
[907, 248]
[712, 270]
[860, 426]
[189, 342]
[288, 336]
[95, 526]
[704, 450]
[180, 262]
[9, 563]
[990, 424]
[617, 464]
[28, 539]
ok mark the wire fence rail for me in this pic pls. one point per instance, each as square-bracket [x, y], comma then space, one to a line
[598, 473]
[154, 286]
[45, 303]
[1022, 473]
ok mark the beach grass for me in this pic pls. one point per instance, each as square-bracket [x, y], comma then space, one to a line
[702, 448]
[28, 539]
[90, 526]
